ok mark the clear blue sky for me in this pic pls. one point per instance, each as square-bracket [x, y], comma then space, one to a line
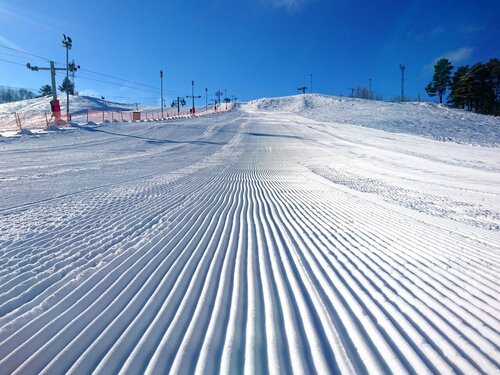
[253, 48]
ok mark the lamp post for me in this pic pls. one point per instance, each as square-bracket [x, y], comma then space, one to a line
[54, 103]
[161, 85]
[402, 67]
[192, 96]
[67, 43]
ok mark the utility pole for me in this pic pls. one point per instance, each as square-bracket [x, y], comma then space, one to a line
[215, 104]
[206, 99]
[54, 103]
[218, 94]
[192, 96]
[402, 67]
[371, 97]
[67, 43]
[161, 86]
[180, 100]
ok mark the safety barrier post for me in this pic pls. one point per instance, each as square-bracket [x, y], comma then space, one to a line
[102, 116]
[18, 120]
[46, 118]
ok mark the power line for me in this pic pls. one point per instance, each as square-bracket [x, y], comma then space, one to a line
[89, 71]
[24, 53]
[115, 83]
[13, 55]
[119, 79]
[12, 62]
[148, 87]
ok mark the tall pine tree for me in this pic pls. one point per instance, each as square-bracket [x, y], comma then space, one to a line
[441, 79]
[45, 90]
[460, 93]
[67, 86]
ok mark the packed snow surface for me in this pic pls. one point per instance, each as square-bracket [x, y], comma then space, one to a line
[418, 118]
[286, 236]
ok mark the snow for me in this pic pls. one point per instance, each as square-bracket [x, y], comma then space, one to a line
[77, 104]
[423, 119]
[34, 113]
[286, 236]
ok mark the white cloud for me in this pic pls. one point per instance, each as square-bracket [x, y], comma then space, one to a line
[289, 4]
[456, 57]
[10, 44]
[459, 55]
[21, 18]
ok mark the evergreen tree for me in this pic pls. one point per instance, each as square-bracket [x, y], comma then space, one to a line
[45, 90]
[494, 79]
[441, 79]
[477, 87]
[459, 94]
[67, 86]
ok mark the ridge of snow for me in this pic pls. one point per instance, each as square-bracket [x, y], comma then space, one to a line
[416, 118]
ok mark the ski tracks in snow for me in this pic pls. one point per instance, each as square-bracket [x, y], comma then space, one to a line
[241, 263]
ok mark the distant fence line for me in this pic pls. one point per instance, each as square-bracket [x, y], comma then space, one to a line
[17, 121]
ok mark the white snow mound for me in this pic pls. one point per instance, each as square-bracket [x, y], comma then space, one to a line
[417, 118]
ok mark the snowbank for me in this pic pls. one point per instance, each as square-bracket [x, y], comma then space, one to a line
[423, 119]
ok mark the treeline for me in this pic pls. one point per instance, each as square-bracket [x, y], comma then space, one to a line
[9, 94]
[475, 88]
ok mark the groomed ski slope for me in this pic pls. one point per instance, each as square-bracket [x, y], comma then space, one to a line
[255, 242]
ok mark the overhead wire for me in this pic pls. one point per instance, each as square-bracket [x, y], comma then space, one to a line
[142, 86]
[13, 62]
[114, 83]
[24, 53]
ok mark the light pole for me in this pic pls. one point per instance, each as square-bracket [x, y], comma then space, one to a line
[402, 67]
[54, 103]
[192, 96]
[67, 43]
[161, 85]
[206, 99]
[218, 94]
